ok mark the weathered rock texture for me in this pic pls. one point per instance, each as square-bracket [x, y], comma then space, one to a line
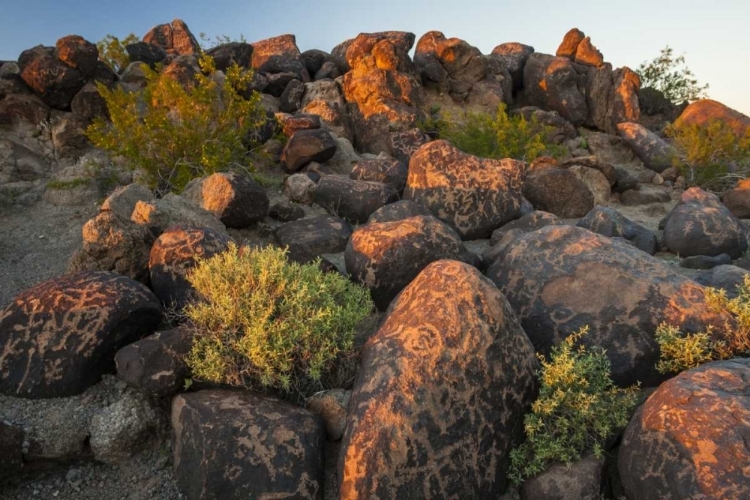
[705, 111]
[236, 200]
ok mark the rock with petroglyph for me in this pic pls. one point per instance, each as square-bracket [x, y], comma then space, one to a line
[49, 77]
[472, 195]
[653, 151]
[316, 235]
[236, 200]
[58, 338]
[156, 364]
[701, 225]
[238, 445]
[403, 145]
[174, 253]
[381, 169]
[387, 256]
[689, 439]
[557, 190]
[353, 200]
[441, 393]
[402, 209]
[562, 278]
[609, 222]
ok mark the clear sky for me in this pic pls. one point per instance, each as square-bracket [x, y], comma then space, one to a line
[713, 35]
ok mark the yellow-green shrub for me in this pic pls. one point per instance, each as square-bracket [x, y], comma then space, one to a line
[175, 134]
[112, 51]
[577, 410]
[497, 136]
[710, 156]
[264, 323]
[680, 352]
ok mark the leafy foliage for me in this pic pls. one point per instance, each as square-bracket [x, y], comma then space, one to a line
[672, 77]
[175, 133]
[682, 352]
[267, 324]
[112, 51]
[498, 136]
[710, 156]
[577, 410]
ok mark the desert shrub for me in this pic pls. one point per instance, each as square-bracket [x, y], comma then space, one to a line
[112, 51]
[264, 323]
[174, 133]
[710, 156]
[680, 352]
[671, 76]
[497, 136]
[577, 410]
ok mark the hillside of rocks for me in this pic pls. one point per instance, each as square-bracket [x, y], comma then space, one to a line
[474, 266]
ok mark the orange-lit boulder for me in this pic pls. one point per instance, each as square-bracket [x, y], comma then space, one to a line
[705, 111]
[386, 256]
[175, 38]
[561, 278]
[737, 200]
[279, 54]
[462, 64]
[50, 78]
[655, 153]
[236, 200]
[551, 83]
[690, 438]
[587, 54]
[569, 45]
[78, 53]
[472, 195]
[514, 57]
[441, 392]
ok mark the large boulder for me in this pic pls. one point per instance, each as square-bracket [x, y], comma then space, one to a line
[725, 277]
[551, 83]
[50, 78]
[558, 191]
[78, 53]
[701, 225]
[173, 254]
[609, 222]
[689, 439]
[472, 195]
[562, 278]
[581, 480]
[441, 393]
[319, 235]
[160, 214]
[237, 445]
[324, 99]
[737, 200]
[404, 144]
[705, 111]
[381, 169]
[514, 56]
[352, 200]
[652, 150]
[175, 38]
[400, 210]
[278, 55]
[387, 256]
[226, 54]
[89, 104]
[60, 336]
[307, 146]
[236, 200]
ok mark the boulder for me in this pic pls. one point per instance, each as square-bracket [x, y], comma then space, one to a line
[290, 124]
[514, 56]
[279, 54]
[426, 419]
[569, 46]
[611, 223]
[725, 277]
[60, 336]
[581, 480]
[403, 145]
[562, 278]
[314, 59]
[705, 111]
[183, 70]
[51, 79]
[237, 445]
[291, 99]
[324, 99]
[318, 235]
[147, 53]
[122, 200]
[328, 71]
[236, 200]
[89, 104]
[285, 211]
[596, 181]
[705, 262]
[331, 407]
[68, 133]
[381, 169]
[307, 146]
[588, 55]
[175, 38]
[557, 191]
[226, 54]
[701, 225]
[344, 159]
[551, 83]
[689, 439]
[299, 188]
[624, 105]
[641, 194]
[156, 364]
[387, 256]
[472, 195]
[737, 200]
[402, 209]
[558, 129]
[159, 214]
[529, 222]
[451, 62]
[651, 149]
[173, 254]
[607, 169]
[78, 53]
[352, 200]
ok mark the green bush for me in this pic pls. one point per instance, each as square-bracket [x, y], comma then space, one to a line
[577, 410]
[175, 134]
[669, 75]
[680, 352]
[499, 136]
[264, 323]
[112, 51]
[710, 156]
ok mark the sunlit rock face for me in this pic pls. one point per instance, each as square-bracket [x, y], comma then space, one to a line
[689, 439]
[472, 195]
[652, 150]
[54, 81]
[701, 225]
[382, 88]
[279, 55]
[441, 392]
[514, 56]
[175, 38]
[386, 256]
[705, 111]
[561, 278]
[58, 338]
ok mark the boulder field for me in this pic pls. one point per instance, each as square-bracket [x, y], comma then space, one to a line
[475, 265]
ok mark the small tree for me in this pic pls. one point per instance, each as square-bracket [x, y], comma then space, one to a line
[175, 133]
[672, 77]
[112, 51]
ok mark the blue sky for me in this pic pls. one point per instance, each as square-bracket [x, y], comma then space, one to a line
[714, 36]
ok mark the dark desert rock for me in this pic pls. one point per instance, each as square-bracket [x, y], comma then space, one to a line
[609, 222]
[551, 83]
[147, 53]
[425, 419]
[737, 200]
[236, 200]
[51, 79]
[60, 336]
[582, 480]
[402, 209]
[291, 99]
[530, 222]
[472, 195]
[226, 54]
[279, 55]
[89, 104]
[404, 144]
[352, 200]
[386, 170]
[11, 449]
[514, 56]
[705, 262]
[652, 150]
[319, 235]
[307, 146]
[725, 277]
[78, 53]
[643, 194]
[557, 191]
